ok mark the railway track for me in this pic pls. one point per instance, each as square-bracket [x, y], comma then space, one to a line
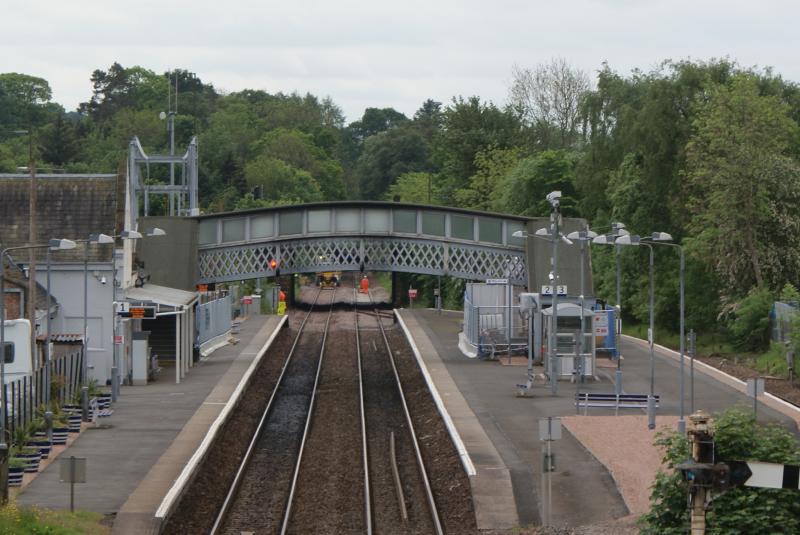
[258, 499]
[402, 499]
[335, 450]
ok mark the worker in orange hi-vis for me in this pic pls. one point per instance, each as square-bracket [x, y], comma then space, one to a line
[364, 285]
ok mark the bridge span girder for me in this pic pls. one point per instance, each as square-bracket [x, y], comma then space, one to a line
[371, 253]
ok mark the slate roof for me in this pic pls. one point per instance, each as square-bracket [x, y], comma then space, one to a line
[68, 206]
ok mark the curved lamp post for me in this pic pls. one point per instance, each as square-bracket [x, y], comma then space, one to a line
[617, 231]
[583, 236]
[553, 236]
[663, 238]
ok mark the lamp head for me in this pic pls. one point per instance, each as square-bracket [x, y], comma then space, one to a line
[603, 239]
[100, 238]
[61, 244]
[661, 236]
[519, 234]
[628, 240]
[155, 231]
[542, 232]
[130, 235]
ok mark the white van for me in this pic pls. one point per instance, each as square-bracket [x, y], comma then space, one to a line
[17, 338]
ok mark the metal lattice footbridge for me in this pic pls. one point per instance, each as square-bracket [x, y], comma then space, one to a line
[379, 236]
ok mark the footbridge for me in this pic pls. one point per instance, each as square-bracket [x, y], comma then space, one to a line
[360, 236]
[355, 235]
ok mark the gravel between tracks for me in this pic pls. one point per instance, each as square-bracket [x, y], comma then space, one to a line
[330, 490]
[448, 480]
[198, 507]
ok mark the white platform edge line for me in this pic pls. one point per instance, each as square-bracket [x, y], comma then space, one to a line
[711, 370]
[466, 461]
[178, 486]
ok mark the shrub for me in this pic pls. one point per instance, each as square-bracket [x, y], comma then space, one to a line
[750, 325]
[740, 511]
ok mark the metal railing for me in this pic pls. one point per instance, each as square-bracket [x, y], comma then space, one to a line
[486, 327]
[213, 319]
[24, 396]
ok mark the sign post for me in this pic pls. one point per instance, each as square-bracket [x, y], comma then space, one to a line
[549, 430]
[73, 470]
[412, 294]
[755, 387]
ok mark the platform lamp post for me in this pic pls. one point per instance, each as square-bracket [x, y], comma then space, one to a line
[115, 365]
[617, 230]
[583, 236]
[663, 238]
[553, 236]
[651, 402]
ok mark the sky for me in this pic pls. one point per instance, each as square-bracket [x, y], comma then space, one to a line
[378, 53]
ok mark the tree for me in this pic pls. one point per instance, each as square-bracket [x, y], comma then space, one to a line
[388, 155]
[484, 191]
[281, 182]
[740, 511]
[469, 126]
[58, 141]
[23, 101]
[525, 188]
[416, 187]
[548, 98]
[744, 188]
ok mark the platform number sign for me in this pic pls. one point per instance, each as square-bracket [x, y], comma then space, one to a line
[548, 289]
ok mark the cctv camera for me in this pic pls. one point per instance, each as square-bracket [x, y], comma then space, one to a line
[103, 279]
[553, 196]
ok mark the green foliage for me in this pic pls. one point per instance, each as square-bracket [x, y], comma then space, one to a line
[417, 188]
[38, 521]
[524, 189]
[281, 182]
[388, 155]
[789, 293]
[745, 511]
[773, 362]
[744, 189]
[485, 188]
[750, 324]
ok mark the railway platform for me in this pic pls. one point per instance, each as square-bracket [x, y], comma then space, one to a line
[135, 455]
[499, 429]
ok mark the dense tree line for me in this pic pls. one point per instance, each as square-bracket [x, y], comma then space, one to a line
[707, 151]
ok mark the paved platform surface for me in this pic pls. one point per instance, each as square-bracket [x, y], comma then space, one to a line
[147, 420]
[583, 490]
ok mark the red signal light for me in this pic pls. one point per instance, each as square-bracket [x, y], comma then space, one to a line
[273, 264]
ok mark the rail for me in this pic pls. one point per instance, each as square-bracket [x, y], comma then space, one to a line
[418, 452]
[232, 491]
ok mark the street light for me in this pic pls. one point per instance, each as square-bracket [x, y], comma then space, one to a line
[651, 409]
[93, 239]
[617, 230]
[583, 236]
[553, 236]
[663, 238]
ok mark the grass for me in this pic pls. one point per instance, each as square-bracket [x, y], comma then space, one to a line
[707, 343]
[383, 279]
[36, 521]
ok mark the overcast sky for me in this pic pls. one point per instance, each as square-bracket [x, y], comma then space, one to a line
[382, 54]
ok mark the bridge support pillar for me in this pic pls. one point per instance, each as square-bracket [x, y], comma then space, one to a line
[394, 299]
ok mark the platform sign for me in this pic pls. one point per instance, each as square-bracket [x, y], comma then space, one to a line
[496, 281]
[549, 428]
[412, 293]
[247, 300]
[547, 289]
[138, 312]
[600, 323]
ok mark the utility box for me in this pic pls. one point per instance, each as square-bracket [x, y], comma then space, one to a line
[140, 368]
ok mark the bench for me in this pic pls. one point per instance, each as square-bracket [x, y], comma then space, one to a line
[612, 401]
